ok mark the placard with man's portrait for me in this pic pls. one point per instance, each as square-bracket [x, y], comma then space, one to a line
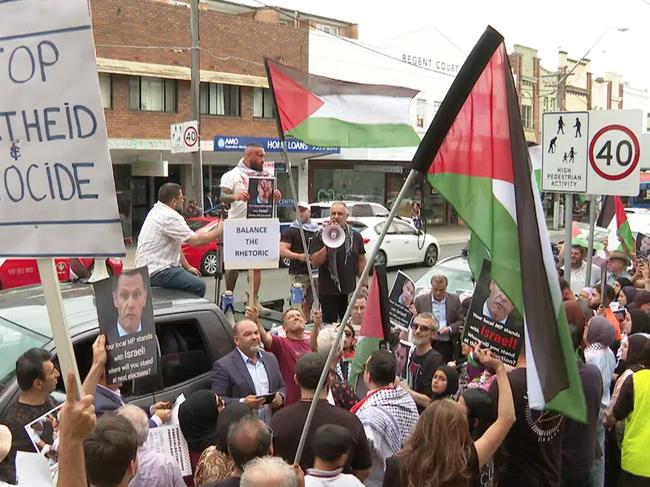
[401, 300]
[125, 314]
[492, 319]
[261, 202]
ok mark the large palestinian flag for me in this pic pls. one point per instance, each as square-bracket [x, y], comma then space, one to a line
[475, 154]
[375, 325]
[328, 112]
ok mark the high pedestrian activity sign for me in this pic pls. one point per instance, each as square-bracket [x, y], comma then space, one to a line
[595, 152]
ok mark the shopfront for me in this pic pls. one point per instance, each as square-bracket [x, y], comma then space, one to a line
[378, 182]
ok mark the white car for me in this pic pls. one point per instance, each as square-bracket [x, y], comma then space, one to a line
[457, 271]
[320, 211]
[403, 244]
[639, 219]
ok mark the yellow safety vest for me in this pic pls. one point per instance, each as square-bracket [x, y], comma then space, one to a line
[636, 440]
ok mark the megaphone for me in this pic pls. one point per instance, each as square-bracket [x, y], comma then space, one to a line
[333, 236]
[100, 271]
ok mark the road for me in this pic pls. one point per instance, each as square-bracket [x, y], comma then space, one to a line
[275, 282]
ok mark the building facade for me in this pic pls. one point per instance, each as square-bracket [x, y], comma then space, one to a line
[143, 57]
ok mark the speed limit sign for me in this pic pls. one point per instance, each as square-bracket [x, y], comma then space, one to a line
[614, 152]
[184, 137]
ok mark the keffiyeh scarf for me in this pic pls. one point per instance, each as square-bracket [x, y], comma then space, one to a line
[332, 254]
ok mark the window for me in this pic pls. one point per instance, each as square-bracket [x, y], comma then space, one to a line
[527, 116]
[182, 351]
[421, 113]
[263, 103]
[152, 94]
[106, 89]
[330, 29]
[14, 341]
[404, 228]
[219, 99]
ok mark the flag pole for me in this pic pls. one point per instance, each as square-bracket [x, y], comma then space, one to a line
[292, 186]
[335, 346]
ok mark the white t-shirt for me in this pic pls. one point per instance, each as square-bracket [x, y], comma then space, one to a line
[236, 180]
[320, 478]
[161, 236]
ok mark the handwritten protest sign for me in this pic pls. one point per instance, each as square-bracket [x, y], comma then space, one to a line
[125, 313]
[401, 297]
[493, 320]
[251, 244]
[57, 194]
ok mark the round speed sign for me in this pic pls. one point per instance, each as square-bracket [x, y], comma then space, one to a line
[614, 152]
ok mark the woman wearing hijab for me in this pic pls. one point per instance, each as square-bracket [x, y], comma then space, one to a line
[444, 383]
[198, 421]
[626, 296]
[599, 336]
[640, 321]
[620, 283]
[215, 463]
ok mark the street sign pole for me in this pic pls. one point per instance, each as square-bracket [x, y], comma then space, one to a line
[568, 217]
[590, 249]
[197, 157]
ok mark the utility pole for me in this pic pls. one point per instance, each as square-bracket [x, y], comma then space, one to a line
[197, 157]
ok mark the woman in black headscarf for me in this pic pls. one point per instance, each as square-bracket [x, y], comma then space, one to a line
[640, 321]
[198, 421]
[215, 463]
[444, 383]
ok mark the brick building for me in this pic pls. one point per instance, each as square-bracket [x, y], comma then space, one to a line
[143, 59]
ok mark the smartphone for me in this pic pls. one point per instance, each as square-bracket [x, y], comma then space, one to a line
[620, 313]
[268, 398]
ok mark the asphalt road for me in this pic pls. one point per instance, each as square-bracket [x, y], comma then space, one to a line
[275, 282]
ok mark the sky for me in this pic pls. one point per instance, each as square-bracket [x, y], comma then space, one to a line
[551, 25]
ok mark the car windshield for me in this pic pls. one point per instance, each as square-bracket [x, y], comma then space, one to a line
[457, 272]
[14, 341]
[196, 224]
[318, 211]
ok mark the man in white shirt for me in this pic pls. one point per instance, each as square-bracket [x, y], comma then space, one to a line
[160, 239]
[579, 270]
[234, 191]
[129, 298]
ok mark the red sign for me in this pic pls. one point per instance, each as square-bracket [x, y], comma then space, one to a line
[614, 152]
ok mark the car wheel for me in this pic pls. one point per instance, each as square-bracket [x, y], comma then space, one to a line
[431, 255]
[380, 258]
[209, 264]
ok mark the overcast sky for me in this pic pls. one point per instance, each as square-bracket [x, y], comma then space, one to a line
[572, 25]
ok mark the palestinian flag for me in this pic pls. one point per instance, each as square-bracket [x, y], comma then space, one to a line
[623, 231]
[606, 212]
[475, 154]
[375, 325]
[328, 112]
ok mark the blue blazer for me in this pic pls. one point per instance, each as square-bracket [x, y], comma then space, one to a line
[231, 380]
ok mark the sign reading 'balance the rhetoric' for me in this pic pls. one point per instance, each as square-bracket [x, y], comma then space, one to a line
[251, 243]
[57, 195]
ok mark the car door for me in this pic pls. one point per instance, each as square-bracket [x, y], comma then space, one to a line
[390, 245]
[406, 242]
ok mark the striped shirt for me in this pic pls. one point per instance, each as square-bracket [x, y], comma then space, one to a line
[161, 236]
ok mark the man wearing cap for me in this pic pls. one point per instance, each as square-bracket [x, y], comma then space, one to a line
[617, 264]
[291, 248]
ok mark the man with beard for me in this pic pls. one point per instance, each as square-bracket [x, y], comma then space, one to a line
[579, 270]
[159, 243]
[248, 374]
[424, 360]
[234, 192]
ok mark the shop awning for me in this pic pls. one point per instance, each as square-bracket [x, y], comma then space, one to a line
[134, 68]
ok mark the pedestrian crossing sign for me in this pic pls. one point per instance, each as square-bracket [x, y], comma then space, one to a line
[565, 143]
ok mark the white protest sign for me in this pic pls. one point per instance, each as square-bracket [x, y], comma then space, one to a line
[184, 137]
[57, 194]
[564, 151]
[614, 152]
[251, 244]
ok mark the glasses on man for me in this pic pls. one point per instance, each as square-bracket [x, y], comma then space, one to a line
[420, 326]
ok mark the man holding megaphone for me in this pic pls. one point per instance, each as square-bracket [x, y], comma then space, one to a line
[339, 254]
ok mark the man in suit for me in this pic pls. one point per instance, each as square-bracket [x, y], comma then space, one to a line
[446, 308]
[247, 374]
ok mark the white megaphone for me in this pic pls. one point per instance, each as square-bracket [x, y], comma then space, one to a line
[100, 271]
[333, 236]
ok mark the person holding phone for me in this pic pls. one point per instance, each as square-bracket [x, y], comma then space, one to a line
[248, 374]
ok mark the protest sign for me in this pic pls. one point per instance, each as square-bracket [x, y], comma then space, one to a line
[251, 244]
[402, 351]
[261, 203]
[170, 440]
[56, 183]
[44, 435]
[32, 470]
[642, 245]
[402, 296]
[493, 321]
[125, 313]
